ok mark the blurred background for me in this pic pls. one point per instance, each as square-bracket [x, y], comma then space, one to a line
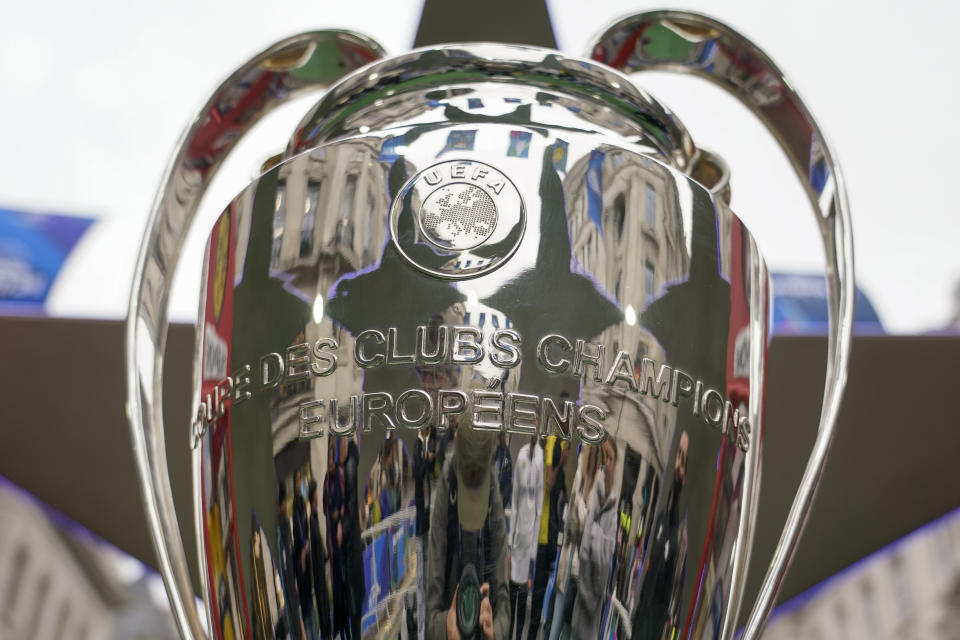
[95, 96]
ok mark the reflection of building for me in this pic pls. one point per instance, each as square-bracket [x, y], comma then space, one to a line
[57, 585]
[329, 220]
[323, 228]
[627, 232]
[324, 212]
[631, 238]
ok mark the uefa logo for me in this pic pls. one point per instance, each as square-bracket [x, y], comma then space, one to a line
[458, 219]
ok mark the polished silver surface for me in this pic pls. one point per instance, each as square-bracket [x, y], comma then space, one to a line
[489, 315]
[611, 329]
[699, 45]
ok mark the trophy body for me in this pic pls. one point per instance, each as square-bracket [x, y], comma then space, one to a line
[487, 329]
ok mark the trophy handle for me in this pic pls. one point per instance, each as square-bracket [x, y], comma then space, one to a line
[308, 61]
[696, 44]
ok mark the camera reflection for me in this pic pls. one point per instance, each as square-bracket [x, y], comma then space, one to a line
[467, 594]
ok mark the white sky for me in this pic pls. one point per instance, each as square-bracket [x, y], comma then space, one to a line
[94, 96]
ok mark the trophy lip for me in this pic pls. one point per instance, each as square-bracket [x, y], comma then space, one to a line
[495, 63]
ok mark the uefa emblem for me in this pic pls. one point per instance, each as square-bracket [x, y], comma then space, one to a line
[458, 219]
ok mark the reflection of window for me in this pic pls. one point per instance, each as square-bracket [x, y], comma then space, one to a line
[943, 552]
[620, 213]
[344, 233]
[345, 224]
[651, 205]
[62, 617]
[367, 229]
[278, 215]
[648, 282]
[349, 194]
[14, 582]
[39, 605]
[869, 609]
[840, 617]
[309, 218]
[901, 590]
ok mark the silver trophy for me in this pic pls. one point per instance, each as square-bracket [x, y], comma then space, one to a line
[482, 352]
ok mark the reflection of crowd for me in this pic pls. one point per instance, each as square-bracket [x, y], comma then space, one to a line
[424, 477]
[468, 535]
[551, 523]
[552, 562]
[468, 527]
[294, 625]
[596, 547]
[305, 605]
[588, 579]
[660, 597]
[384, 494]
[333, 488]
[526, 505]
[568, 566]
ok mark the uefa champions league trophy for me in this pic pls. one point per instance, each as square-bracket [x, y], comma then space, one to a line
[487, 323]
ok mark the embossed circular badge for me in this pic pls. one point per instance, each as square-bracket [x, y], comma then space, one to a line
[457, 219]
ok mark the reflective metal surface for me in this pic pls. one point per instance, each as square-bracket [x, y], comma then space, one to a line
[699, 45]
[325, 334]
[481, 338]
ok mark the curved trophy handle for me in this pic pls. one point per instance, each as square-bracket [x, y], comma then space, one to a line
[696, 44]
[309, 61]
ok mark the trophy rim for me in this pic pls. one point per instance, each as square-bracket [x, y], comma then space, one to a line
[488, 62]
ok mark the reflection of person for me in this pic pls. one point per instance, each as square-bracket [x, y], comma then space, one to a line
[467, 527]
[333, 509]
[659, 596]
[596, 548]
[348, 536]
[568, 566]
[391, 467]
[503, 464]
[424, 457]
[286, 562]
[525, 507]
[301, 559]
[318, 557]
[269, 621]
[444, 445]
[551, 522]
